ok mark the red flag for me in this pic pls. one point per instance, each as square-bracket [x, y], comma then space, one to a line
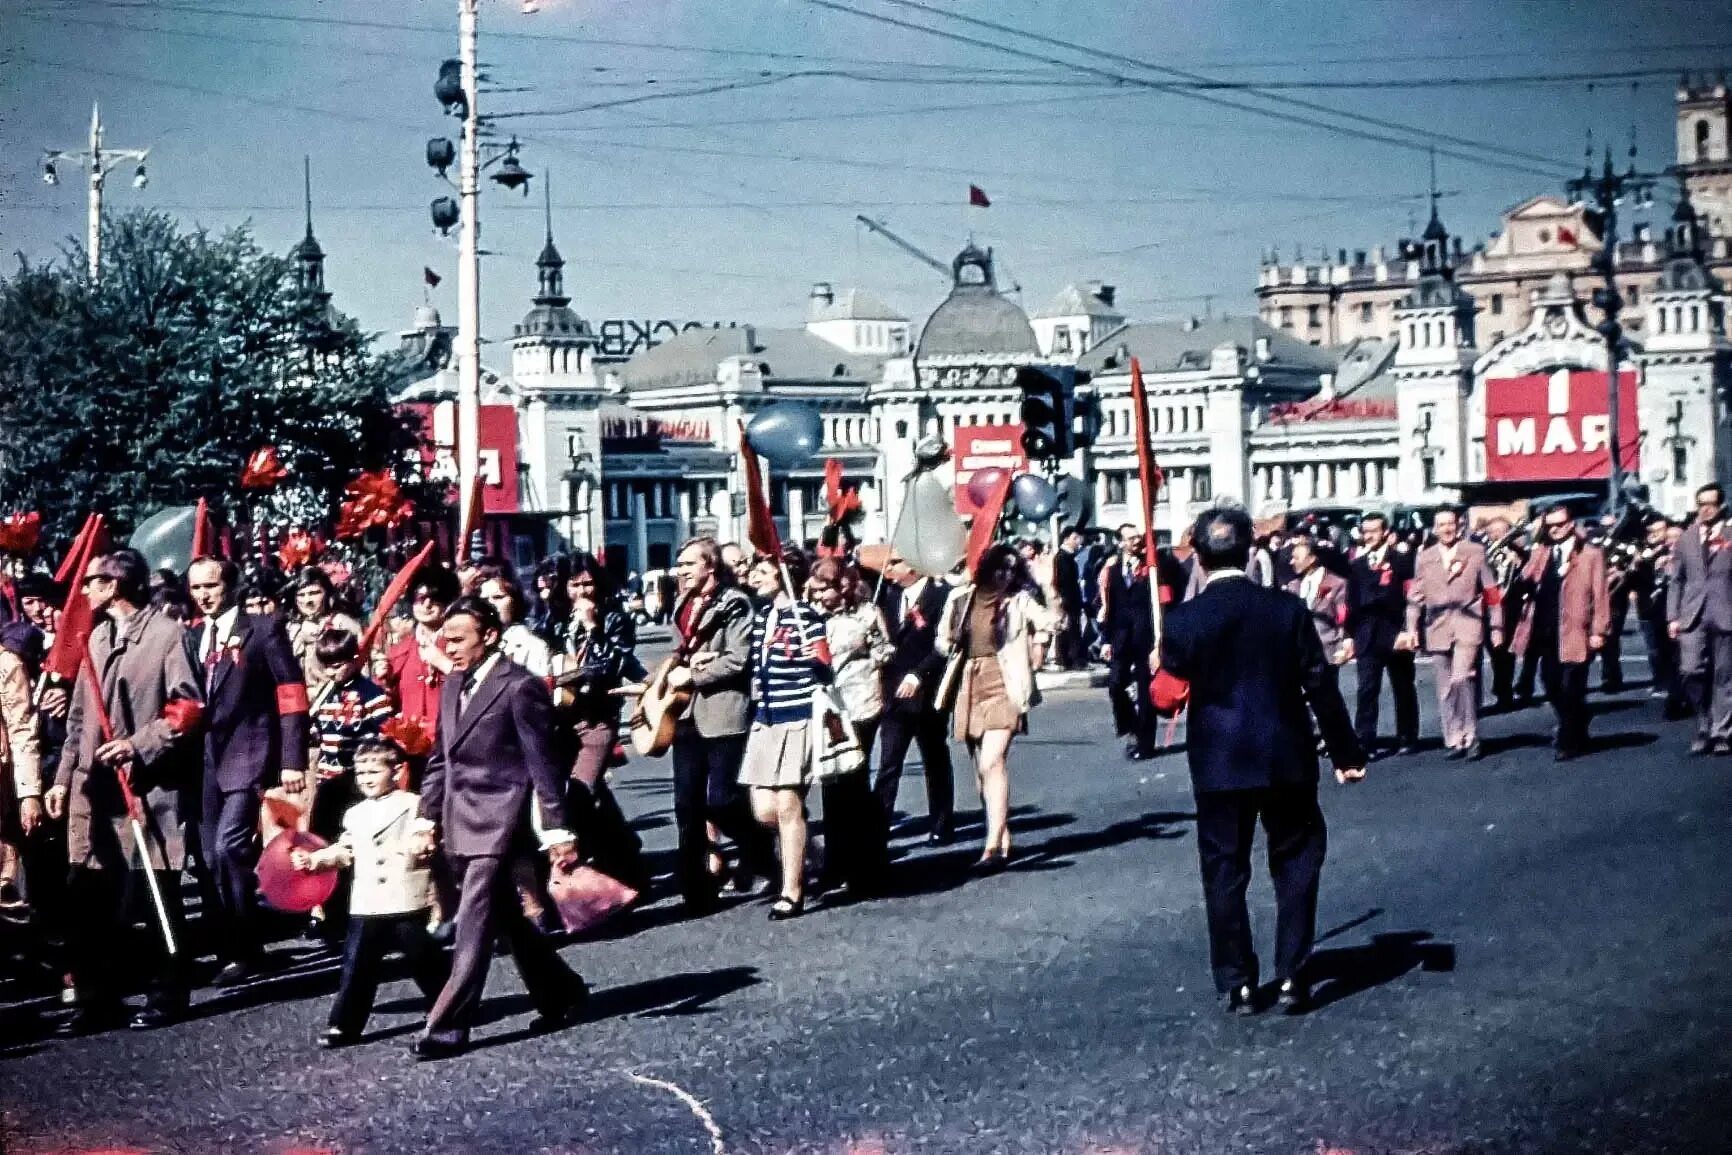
[429, 276]
[841, 502]
[1147, 470]
[392, 595]
[76, 557]
[76, 619]
[203, 537]
[985, 526]
[760, 526]
[977, 197]
[1566, 235]
[20, 532]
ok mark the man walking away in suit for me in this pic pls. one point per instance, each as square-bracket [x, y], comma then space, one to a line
[912, 605]
[1565, 621]
[493, 781]
[1067, 579]
[256, 737]
[1248, 661]
[1376, 614]
[1453, 595]
[1128, 643]
[1699, 616]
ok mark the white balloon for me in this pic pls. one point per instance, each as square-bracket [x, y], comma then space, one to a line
[929, 535]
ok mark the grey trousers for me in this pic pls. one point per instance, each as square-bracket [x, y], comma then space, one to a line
[1457, 672]
[1705, 662]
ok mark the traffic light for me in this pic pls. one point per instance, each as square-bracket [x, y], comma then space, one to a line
[1048, 403]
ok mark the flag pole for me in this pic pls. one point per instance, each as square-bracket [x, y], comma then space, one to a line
[1151, 478]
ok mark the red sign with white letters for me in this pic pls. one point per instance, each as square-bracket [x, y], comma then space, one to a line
[498, 450]
[1553, 426]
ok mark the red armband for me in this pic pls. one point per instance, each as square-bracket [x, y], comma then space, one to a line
[292, 698]
[1166, 595]
[1169, 692]
[1493, 596]
[1341, 615]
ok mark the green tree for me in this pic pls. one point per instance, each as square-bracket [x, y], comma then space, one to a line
[151, 386]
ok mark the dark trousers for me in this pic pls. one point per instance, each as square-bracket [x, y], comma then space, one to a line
[229, 841]
[1566, 686]
[1226, 827]
[487, 905]
[923, 727]
[1072, 655]
[1612, 653]
[1128, 690]
[369, 939]
[104, 950]
[1705, 661]
[1373, 664]
[854, 828]
[707, 789]
[1663, 659]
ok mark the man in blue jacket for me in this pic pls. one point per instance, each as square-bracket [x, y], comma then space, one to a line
[1247, 662]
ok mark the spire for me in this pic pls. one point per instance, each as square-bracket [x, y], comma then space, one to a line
[309, 258]
[1435, 236]
[550, 266]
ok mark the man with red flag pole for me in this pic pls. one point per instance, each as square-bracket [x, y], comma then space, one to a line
[130, 752]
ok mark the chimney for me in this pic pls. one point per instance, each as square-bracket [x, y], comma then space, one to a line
[1341, 256]
[1359, 257]
[1261, 347]
[1104, 293]
[1191, 324]
[751, 335]
[823, 296]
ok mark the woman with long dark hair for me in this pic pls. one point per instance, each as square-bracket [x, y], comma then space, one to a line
[593, 662]
[995, 632]
[315, 610]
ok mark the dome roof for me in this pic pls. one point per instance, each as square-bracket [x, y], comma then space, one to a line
[974, 320]
[546, 320]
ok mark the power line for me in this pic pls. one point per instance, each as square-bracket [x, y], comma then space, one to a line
[1309, 121]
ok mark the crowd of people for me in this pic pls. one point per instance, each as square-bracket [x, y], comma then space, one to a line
[455, 767]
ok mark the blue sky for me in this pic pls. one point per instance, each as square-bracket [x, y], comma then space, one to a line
[729, 204]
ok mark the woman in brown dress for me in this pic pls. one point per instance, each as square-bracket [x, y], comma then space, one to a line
[996, 630]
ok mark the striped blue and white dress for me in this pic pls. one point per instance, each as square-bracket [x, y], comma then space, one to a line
[790, 658]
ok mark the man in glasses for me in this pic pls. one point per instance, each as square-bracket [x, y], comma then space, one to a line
[1127, 619]
[1568, 611]
[1699, 616]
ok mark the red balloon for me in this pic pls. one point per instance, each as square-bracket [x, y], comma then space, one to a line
[287, 889]
[985, 483]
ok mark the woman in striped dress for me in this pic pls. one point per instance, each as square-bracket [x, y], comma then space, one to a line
[790, 658]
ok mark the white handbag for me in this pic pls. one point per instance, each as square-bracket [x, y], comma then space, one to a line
[830, 740]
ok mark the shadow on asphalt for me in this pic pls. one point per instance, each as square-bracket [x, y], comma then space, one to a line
[1338, 973]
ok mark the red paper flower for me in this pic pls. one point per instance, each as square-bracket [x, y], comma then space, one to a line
[409, 735]
[299, 547]
[19, 533]
[373, 500]
[182, 715]
[263, 469]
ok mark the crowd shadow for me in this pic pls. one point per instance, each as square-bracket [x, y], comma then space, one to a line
[1338, 973]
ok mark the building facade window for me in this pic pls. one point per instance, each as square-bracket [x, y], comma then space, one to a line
[1313, 316]
[1365, 311]
[1286, 316]
[1116, 488]
[1202, 484]
[1061, 340]
[1680, 463]
[1497, 304]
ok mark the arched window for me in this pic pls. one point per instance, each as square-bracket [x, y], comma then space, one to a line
[1695, 318]
[1702, 130]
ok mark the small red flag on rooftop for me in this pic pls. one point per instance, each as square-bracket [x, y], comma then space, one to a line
[977, 197]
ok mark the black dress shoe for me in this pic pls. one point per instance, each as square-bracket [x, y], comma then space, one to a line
[428, 1050]
[1242, 1000]
[235, 973]
[155, 1015]
[1475, 752]
[1294, 997]
[336, 1037]
[1456, 754]
[941, 835]
[565, 1016]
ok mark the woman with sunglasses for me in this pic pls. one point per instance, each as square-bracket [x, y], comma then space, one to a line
[995, 632]
[594, 664]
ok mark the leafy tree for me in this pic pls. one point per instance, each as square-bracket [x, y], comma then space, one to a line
[151, 386]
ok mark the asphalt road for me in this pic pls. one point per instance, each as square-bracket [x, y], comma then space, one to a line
[1522, 957]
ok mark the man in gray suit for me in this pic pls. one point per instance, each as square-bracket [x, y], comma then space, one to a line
[1699, 616]
[491, 780]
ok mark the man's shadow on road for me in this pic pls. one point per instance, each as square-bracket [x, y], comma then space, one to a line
[1338, 973]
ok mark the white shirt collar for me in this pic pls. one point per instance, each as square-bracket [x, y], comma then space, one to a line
[1311, 582]
[225, 622]
[480, 675]
[1219, 574]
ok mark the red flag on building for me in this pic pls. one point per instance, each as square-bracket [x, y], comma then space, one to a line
[985, 526]
[760, 526]
[977, 197]
[1566, 235]
[76, 619]
[430, 277]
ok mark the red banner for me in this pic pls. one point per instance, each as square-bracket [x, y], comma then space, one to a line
[1554, 427]
[985, 447]
[498, 450]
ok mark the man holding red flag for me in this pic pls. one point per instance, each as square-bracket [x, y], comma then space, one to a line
[137, 655]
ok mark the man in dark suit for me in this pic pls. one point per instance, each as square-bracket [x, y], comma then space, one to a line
[1699, 619]
[491, 781]
[1127, 623]
[1067, 579]
[1249, 663]
[1376, 616]
[912, 605]
[256, 738]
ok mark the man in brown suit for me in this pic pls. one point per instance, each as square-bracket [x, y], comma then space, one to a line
[1568, 611]
[1325, 596]
[142, 664]
[491, 780]
[1452, 596]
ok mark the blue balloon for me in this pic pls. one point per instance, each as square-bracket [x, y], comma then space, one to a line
[1034, 496]
[165, 538]
[786, 433]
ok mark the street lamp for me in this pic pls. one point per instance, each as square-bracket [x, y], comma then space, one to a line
[99, 162]
[1607, 191]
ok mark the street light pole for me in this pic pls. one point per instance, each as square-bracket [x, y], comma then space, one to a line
[98, 162]
[468, 348]
[1607, 191]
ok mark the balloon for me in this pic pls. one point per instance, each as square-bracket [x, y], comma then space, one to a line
[984, 484]
[1075, 501]
[165, 537]
[287, 889]
[786, 433]
[929, 535]
[1034, 496]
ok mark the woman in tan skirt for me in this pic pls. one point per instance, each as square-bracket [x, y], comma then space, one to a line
[995, 631]
[790, 657]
